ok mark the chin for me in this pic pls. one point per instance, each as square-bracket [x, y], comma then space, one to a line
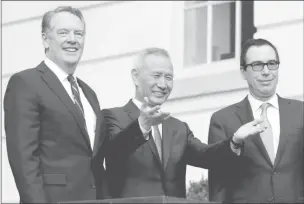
[268, 93]
[72, 59]
[157, 101]
[71, 63]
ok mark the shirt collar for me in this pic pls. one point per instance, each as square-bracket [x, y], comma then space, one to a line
[255, 103]
[60, 73]
[136, 102]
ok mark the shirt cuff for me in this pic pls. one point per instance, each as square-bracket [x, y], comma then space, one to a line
[144, 131]
[237, 151]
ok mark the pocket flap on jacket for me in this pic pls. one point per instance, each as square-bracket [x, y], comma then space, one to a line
[55, 179]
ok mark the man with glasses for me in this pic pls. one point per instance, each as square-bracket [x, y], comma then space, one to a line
[270, 169]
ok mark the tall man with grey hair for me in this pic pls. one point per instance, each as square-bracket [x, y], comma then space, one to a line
[52, 120]
[271, 169]
[157, 146]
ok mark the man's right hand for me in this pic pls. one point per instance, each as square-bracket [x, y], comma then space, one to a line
[150, 116]
[248, 129]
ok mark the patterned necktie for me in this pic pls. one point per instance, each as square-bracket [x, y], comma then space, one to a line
[267, 135]
[76, 95]
[158, 142]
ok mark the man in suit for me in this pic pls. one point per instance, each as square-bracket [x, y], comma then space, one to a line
[52, 119]
[159, 146]
[270, 169]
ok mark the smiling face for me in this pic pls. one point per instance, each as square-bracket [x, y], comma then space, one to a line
[64, 40]
[154, 80]
[262, 84]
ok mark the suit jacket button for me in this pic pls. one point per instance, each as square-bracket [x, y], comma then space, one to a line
[93, 186]
[270, 199]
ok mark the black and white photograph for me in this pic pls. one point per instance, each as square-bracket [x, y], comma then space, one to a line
[152, 102]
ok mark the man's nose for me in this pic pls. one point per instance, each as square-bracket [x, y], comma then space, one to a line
[265, 71]
[71, 37]
[161, 83]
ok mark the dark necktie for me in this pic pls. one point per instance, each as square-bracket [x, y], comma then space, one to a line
[76, 95]
[158, 141]
[267, 135]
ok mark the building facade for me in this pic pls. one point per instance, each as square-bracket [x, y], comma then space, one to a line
[202, 37]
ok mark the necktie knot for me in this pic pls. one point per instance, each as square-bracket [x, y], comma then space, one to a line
[264, 107]
[71, 79]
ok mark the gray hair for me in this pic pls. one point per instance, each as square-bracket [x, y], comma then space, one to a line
[140, 57]
[47, 17]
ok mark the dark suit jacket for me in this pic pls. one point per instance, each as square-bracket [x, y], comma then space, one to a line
[253, 178]
[140, 173]
[48, 147]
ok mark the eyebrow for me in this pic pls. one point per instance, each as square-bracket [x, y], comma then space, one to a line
[77, 30]
[263, 62]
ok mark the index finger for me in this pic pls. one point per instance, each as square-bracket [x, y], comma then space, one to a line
[257, 121]
[168, 116]
[164, 115]
[154, 109]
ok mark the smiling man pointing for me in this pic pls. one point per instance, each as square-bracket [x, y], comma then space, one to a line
[272, 166]
[157, 147]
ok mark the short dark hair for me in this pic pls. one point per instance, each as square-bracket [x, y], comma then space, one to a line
[255, 42]
[47, 17]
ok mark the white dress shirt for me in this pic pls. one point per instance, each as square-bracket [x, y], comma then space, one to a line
[89, 114]
[273, 116]
[144, 131]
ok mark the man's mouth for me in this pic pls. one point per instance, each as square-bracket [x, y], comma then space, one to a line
[265, 82]
[159, 93]
[70, 49]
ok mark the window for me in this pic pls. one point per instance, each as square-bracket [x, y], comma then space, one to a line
[210, 30]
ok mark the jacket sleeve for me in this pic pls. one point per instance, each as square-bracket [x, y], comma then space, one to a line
[218, 177]
[121, 140]
[208, 156]
[22, 126]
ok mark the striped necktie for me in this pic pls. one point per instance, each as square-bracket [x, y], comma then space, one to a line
[76, 95]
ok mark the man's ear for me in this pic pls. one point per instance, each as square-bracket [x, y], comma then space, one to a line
[135, 76]
[44, 40]
[243, 72]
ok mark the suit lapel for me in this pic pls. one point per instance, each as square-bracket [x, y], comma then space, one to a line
[285, 118]
[99, 133]
[55, 85]
[244, 112]
[133, 113]
[95, 106]
[167, 139]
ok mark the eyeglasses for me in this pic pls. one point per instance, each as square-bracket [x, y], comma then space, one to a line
[259, 66]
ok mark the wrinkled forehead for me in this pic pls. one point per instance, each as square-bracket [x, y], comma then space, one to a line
[263, 53]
